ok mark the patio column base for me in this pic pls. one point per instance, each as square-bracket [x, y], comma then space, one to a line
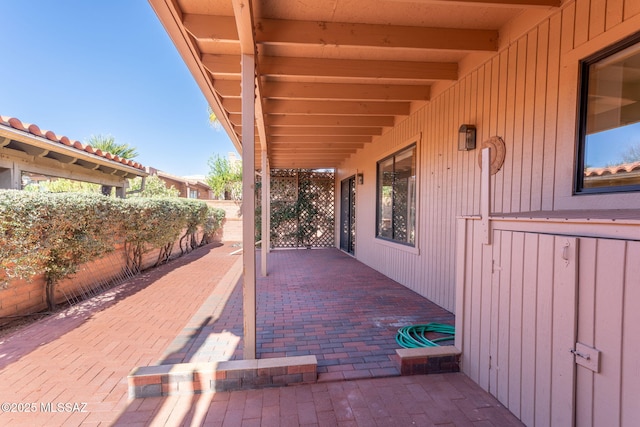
[428, 360]
[196, 378]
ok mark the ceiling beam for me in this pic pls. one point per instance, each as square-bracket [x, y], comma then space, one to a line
[297, 164]
[220, 29]
[346, 91]
[244, 22]
[222, 65]
[228, 88]
[329, 130]
[278, 31]
[170, 15]
[328, 120]
[357, 68]
[311, 158]
[323, 140]
[276, 106]
[308, 151]
[232, 105]
[326, 140]
[497, 3]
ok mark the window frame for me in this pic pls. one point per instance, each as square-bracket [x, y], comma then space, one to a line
[583, 99]
[385, 240]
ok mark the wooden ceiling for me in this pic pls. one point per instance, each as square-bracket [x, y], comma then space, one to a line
[331, 75]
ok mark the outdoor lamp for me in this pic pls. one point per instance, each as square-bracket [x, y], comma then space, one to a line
[466, 138]
[360, 178]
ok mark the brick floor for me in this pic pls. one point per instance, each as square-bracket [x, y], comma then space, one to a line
[326, 303]
[84, 354]
[319, 302]
[423, 400]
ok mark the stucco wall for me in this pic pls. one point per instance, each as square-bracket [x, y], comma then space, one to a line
[232, 227]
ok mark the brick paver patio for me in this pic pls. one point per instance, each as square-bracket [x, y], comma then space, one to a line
[319, 302]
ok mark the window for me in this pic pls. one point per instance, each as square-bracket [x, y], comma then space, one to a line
[193, 194]
[396, 197]
[609, 130]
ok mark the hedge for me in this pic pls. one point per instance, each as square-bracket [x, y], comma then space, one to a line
[54, 233]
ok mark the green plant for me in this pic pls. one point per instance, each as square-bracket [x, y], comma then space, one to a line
[153, 187]
[151, 222]
[63, 185]
[54, 233]
[213, 223]
[107, 143]
[196, 215]
[225, 178]
[296, 219]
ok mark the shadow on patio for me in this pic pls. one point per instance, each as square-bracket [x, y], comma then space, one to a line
[325, 303]
[318, 302]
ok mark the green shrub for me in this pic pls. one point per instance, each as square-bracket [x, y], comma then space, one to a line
[55, 233]
[215, 219]
[151, 223]
[196, 216]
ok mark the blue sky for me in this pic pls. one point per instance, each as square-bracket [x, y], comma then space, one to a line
[82, 68]
[607, 148]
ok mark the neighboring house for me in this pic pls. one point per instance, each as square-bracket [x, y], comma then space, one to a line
[29, 154]
[535, 253]
[189, 188]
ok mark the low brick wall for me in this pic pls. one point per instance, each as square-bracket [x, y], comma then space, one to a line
[21, 297]
[428, 360]
[195, 378]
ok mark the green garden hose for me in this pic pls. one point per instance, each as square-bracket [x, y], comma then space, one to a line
[414, 336]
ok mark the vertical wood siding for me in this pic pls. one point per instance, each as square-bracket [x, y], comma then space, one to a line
[519, 321]
[608, 320]
[515, 95]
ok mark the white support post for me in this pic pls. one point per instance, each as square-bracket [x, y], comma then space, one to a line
[268, 236]
[265, 202]
[461, 264]
[485, 195]
[248, 206]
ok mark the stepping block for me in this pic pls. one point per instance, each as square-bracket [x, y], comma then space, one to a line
[428, 360]
[196, 378]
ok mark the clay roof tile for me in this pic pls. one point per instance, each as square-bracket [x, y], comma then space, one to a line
[35, 130]
[51, 136]
[17, 124]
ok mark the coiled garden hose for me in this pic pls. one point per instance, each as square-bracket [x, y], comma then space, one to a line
[414, 336]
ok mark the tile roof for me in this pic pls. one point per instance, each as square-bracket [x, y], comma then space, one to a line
[612, 170]
[17, 124]
[182, 179]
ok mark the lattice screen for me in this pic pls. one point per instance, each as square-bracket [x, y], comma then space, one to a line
[302, 208]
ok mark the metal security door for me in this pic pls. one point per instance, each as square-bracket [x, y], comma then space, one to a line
[348, 215]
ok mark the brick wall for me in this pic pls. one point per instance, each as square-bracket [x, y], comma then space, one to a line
[23, 297]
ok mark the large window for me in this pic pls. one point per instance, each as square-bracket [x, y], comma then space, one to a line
[609, 131]
[396, 197]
